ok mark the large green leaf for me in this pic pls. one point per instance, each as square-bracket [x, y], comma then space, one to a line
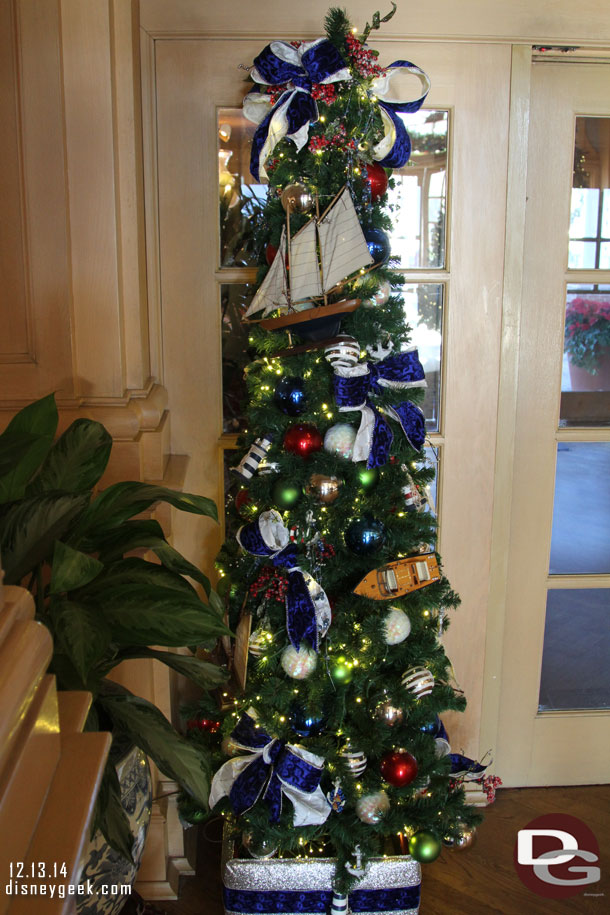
[140, 572]
[110, 818]
[133, 535]
[122, 501]
[26, 442]
[144, 615]
[28, 530]
[176, 757]
[72, 569]
[81, 633]
[204, 674]
[76, 461]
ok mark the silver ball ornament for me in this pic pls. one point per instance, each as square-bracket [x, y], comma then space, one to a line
[258, 848]
[389, 714]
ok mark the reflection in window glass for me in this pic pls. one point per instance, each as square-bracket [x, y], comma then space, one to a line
[575, 671]
[419, 198]
[240, 198]
[424, 315]
[235, 355]
[585, 378]
[580, 542]
[590, 206]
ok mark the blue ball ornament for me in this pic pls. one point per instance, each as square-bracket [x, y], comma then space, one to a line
[304, 724]
[378, 244]
[365, 535]
[290, 397]
[433, 727]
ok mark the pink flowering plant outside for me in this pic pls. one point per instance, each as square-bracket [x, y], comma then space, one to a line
[587, 331]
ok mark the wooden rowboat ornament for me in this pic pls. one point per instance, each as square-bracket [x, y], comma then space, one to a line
[400, 577]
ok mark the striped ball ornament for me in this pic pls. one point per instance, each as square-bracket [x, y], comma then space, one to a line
[418, 681]
[344, 353]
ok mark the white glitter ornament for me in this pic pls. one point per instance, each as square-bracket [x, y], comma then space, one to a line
[372, 807]
[340, 440]
[419, 681]
[380, 297]
[397, 626]
[299, 664]
[345, 352]
[383, 294]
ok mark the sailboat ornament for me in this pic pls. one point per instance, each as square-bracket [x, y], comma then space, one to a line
[321, 257]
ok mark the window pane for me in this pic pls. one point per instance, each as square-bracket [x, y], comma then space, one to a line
[235, 355]
[240, 198]
[424, 315]
[580, 542]
[575, 670]
[419, 197]
[585, 378]
[589, 216]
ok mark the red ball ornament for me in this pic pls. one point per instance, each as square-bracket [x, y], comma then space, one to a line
[270, 252]
[377, 180]
[398, 768]
[242, 499]
[302, 439]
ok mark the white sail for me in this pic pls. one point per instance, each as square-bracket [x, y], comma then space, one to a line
[342, 242]
[271, 293]
[304, 272]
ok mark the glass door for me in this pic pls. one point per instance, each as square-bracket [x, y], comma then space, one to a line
[555, 705]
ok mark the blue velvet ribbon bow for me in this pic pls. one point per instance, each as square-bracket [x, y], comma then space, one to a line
[352, 387]
[395, 148]
[274, 768]
[279, 63]
[307, 608]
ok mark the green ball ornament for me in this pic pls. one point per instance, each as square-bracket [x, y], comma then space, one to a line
[425, 846]
[368, 477]
[285, 494]
[341, 671]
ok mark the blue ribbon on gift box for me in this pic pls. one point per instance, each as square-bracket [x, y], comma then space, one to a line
[276, 901]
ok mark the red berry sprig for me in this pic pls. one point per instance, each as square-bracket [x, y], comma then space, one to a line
[363, 60]
[272, 584]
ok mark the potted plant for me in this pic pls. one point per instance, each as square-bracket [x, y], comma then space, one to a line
[587, 343]
[74, 548]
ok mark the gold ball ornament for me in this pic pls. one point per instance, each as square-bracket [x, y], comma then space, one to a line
[466, 838]
[229, 748]
[296, 198]
[324, 489]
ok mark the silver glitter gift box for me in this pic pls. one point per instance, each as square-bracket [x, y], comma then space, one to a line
[390, 886]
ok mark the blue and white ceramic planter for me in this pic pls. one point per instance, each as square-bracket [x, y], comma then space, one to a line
[107, 870]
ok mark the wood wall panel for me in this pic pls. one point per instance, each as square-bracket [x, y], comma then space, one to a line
[14, 342]
[33, 225]
[544, 21]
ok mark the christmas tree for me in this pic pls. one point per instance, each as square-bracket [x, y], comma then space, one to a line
[336, 744]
